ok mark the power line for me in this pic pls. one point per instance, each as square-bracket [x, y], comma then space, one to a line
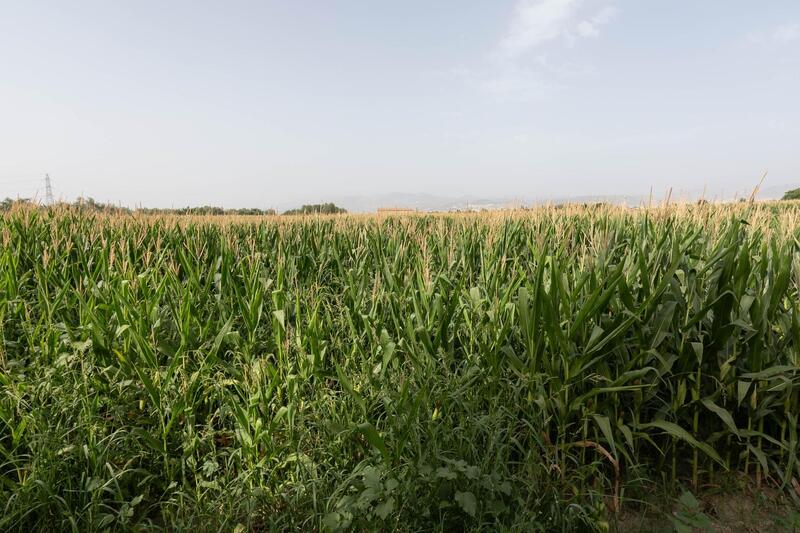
[29, 188]
[48, 189]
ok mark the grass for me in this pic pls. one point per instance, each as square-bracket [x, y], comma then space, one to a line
[530, 370]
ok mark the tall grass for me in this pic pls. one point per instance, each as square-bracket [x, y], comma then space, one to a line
[516, 370]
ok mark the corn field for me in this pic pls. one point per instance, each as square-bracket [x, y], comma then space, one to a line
[528, 370]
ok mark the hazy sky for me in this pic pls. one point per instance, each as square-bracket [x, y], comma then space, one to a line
[262, 103]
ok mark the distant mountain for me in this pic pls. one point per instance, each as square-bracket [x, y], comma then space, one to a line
[369, 203]
[429, 202]
[421, 202]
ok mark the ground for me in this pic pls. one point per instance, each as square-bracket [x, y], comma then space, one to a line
[737, 507]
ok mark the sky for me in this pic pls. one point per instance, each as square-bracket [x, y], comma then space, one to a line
[268, 103]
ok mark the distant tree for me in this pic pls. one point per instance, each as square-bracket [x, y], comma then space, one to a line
[794, 194]
[87, 203]
[205, 210]
[90, 204]
[252, 211]
[317, 209]
[8, 203]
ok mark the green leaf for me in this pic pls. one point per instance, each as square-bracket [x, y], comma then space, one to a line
[467, 502]
[365, 499]
[771, 372]
[626, 432]
[697, 347]
[475, 295]
[333, 521]
[374, 438]
[679, 433]
[226, 328]
[723, 414]
[605, 427]
[445, 473]
[347, 386]
[387, 349]
[742, 387]
[151, 441]
[383, 510]
[371, 478]
[761, 456]
[391, 485]
[688, 501]
[281, 317]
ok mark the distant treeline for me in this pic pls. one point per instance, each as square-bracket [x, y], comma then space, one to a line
[317, 209]
[93, 205]
[207, 210]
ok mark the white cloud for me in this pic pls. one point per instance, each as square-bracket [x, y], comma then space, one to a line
[535, 22]
[782, 34]
[519, 68]
[591, 27]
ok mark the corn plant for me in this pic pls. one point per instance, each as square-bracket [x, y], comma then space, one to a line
[446, 372]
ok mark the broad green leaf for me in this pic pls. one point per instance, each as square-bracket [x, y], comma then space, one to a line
[467, 502]
[723, 414]
[605, 426]
[374, 438]
[384, 509]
